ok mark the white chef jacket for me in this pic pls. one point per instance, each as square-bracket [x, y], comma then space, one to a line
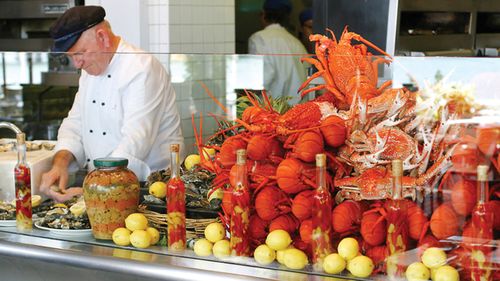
[283, 75]
[128, 111]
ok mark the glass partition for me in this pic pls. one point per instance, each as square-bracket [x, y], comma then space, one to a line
[439, 116]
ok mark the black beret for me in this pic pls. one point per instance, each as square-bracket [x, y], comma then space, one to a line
[68, 28]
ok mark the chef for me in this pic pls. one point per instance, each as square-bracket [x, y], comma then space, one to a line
[125, 105]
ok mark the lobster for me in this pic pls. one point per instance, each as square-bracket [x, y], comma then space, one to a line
[287, 222]
[444, 222]
[346, 68]
[262, 147]
[258, 229]
[346, 217]
[302, 204]
[305, 145]
[270, 202]
[294, 176]
[334, 130]
[373, 229]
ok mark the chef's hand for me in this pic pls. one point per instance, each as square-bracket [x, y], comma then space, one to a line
[67, 195]
[54, 181]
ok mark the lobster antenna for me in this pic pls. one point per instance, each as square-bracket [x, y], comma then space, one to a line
[251, 98]
[333, 34]
[213, 97]
[266, 99]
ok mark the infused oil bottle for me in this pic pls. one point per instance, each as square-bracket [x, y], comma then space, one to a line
[482, 230]
[176, 204]
[321, 215]
[22, 174]
[240, 215]
[397, 223]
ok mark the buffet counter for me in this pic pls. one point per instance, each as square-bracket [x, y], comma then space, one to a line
[40, 255]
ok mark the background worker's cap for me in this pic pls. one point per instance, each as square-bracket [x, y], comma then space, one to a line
[278, 5]
[69, 27]
[305, 15]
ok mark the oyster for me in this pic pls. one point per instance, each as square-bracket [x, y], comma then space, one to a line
[7, 211]
[59, 216]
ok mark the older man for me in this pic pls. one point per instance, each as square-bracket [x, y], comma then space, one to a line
[125, 105]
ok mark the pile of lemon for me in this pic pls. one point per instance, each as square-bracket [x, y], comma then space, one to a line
[433, 265]
[348, 257]
[136, 232]
[213, 243]
[278, 246]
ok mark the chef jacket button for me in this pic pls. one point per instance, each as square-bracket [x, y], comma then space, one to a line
[102, 103]
[103, 133]
[88, 159]
[109, 75]
[93, 101]
[91, 131]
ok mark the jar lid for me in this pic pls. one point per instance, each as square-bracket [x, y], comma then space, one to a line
[111, 162]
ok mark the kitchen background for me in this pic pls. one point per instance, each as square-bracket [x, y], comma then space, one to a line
[197, 41]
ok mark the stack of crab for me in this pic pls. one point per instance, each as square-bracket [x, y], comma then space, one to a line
[361, 127]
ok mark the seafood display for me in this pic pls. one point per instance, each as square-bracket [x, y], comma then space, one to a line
[70, 215]
[361, 127]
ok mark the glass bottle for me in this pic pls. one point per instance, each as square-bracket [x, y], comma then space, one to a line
[397, 223]
[482, 230]
[321, 215]
[22, 174]
[176, 204]
[239, 226]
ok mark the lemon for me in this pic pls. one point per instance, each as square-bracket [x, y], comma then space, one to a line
[295, 259]
[158, 189]
[121, 236]
[264, 255]
[334, 264]
[446, 273]
[222, 249]
[215, 232]
[360, 266]
[203, 247]
[78, 208]
[348, 248]
[280, 254]
[208, 152]
[35, 201]
[136, 221]
[191, 160]
[417, 271]
[278, 239]
[154, 233]
[434, 257]
[140, 238]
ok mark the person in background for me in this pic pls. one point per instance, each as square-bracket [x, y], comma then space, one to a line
[283, 75]
[306, 29]
[125, 105]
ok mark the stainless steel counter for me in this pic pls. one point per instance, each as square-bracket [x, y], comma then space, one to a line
[40, 255]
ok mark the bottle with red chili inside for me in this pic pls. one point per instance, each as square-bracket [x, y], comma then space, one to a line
[176, 204]
[482, 230]
[321, 238]
[397, 223]
[239, 226]
[23, 187]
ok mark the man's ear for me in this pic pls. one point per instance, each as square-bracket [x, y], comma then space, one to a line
[102, 38]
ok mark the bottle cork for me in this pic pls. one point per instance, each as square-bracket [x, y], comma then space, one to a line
[397, 168]
[482, 173]
[241, 156]
[320, 160]
[174, 147]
